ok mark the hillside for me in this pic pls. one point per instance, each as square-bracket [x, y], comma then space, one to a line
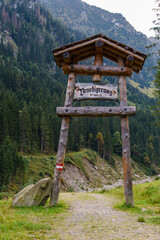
[83, 171]
[92, 20]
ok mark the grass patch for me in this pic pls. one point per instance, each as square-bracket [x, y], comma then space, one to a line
[141, 219]
[155, 220]
[27, 222]
[124, 207]
[147, 91]
[146, 200]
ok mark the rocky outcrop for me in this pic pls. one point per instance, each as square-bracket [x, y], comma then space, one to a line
[33, 195]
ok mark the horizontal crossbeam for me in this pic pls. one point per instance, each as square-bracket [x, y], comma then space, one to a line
[95, 111]
[102, 70]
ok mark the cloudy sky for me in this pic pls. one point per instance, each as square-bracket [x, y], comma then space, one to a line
[138, 13]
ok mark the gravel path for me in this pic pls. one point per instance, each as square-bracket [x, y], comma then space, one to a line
[91, 216]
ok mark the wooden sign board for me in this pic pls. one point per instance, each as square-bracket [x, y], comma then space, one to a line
[86, 91]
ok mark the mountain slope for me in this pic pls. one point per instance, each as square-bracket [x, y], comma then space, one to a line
[92, 20]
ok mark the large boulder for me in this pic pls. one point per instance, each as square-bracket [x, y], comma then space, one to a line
[33, 195]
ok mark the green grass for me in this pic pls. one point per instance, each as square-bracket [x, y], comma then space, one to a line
[147, 91]
[27, 222]
[146, 200]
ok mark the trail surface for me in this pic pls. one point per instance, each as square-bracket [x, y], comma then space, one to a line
[91, 216]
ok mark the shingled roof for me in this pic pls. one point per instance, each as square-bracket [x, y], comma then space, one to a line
[85, 48]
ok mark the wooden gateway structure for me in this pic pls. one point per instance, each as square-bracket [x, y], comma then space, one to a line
[67, 58]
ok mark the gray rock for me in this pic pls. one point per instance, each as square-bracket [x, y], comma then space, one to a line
[33, 195]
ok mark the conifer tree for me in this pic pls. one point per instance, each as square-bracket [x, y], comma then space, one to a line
[117, 143]
[25, 129]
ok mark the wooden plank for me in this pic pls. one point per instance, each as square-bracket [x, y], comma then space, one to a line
[96, 111]
[84, 91]
[125, 140]
[83, 55]
[78, 46]
[115, 54]
[62, 143]
[121, 49]
[102, 37]
[114, 45]
[102, 70]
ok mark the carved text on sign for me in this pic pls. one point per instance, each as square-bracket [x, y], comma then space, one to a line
[84, 91]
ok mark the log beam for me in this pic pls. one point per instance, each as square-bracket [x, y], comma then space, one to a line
[102, 70]
[99, 46]
[129, 61]
[95, 111]
[62, 143]
[66, 57]
[125, 140]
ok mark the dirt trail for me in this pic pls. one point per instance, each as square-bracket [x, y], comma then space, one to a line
[91, 216]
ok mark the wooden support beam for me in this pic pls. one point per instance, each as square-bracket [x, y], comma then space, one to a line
[99, 46]
[95, 111]
[66, 57]
[129, 61]
[125, 140]
[102, 70]
[98, 59]
[76, 47]
[62, 143]
[121, 49]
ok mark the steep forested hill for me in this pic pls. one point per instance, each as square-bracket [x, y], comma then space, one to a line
[31, 87]
[92, 20]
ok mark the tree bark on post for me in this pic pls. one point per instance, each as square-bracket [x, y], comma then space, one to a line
[98, 59]
[62, 143]
[125, 140]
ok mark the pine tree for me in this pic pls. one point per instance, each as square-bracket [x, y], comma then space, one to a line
[25, 129]
[100, 144]
[117, 143]
[44, 134]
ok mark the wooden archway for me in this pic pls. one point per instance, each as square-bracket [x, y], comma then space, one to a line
[128, 60]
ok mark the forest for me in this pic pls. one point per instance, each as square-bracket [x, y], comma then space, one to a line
[32, 86]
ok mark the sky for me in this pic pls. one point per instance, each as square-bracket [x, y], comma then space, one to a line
[139, 13]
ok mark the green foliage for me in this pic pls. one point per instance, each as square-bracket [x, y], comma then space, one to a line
[141, 219]
[155, 220]
[10, 163]
[117, 143]
[38, 167]
[129, 208]
[27, 222]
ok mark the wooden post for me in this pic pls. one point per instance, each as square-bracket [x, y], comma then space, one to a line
[98, 59]
[62, 143]
[125, 140]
